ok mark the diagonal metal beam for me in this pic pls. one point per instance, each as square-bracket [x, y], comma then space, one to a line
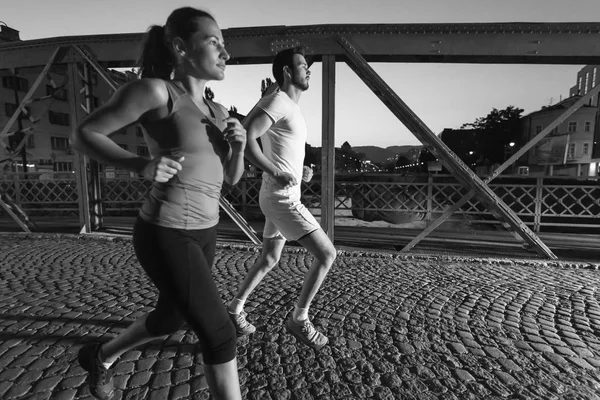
[15, 212]
[12, 208]
[463, 173]
[30, 93]
[559, 120]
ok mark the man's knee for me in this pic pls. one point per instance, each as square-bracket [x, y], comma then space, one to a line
[325, 251]
[269, 261]
[328, 256]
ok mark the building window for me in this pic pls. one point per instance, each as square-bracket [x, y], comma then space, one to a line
[585, 149]
[96, 102]
[10, 108]
[63, 166]
[30, 142]
[587, 126]
[138, 131]
[580, 80]
[523, 170]
[538, 129]
[15, 83]
[571, 151]
[58, 118]
[123, 146]
[59, 143]
[142, 151]
[587, 82]
[572, 126]
[57, 93]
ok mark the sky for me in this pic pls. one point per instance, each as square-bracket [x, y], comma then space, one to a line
[442, 95]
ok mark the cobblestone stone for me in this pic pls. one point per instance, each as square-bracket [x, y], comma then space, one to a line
[400, 326]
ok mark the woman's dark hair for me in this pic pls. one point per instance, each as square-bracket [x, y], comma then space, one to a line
[282, 59]
[157, 59]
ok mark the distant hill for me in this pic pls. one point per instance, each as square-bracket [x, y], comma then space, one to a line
[379, 154]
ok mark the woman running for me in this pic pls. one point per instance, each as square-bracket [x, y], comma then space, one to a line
[194, 147]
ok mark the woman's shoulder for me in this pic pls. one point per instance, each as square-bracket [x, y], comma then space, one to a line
[152, 90]
[154, 87]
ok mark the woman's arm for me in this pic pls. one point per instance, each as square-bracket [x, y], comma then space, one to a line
[131, 102]
[145, 98]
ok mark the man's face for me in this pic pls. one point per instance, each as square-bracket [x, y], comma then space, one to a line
[300, 72]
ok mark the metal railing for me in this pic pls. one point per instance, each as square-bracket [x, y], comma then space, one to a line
[559, 204]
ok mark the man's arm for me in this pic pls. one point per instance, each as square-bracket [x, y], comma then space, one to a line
[235, 134]
[257, 123]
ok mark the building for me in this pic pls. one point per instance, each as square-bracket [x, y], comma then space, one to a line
[587, 78]
[8, 34]
[46, 121]
[568, 149]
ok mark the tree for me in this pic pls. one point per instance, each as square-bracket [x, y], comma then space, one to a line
[495, 131]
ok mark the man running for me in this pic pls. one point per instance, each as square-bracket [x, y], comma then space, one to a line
[278, 121]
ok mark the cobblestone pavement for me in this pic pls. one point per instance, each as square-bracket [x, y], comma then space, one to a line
[400, 326]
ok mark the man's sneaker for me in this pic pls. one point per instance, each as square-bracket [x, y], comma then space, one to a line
[99, 378]
[242, 326]
[306, 333]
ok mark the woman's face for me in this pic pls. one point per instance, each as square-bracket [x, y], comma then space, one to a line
[205, 55]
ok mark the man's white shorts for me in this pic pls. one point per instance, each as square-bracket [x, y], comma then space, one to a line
[286, 216]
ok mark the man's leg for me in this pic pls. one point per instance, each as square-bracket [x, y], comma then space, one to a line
[318, 244]
[269, 257]
[323, 251]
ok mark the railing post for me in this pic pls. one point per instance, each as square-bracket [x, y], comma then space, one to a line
[539, 192]
[17, 189]
[328, 149]
[81, 170]
[244, 185]
[429, 198]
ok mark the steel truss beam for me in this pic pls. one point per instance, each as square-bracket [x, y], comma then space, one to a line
[559, 120]
[544, 43]
[461, 171]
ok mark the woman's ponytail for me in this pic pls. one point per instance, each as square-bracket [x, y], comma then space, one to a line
[156, 60]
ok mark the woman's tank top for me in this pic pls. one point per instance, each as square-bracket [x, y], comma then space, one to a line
[189, 200]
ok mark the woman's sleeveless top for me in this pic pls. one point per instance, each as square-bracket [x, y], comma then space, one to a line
[189, 200]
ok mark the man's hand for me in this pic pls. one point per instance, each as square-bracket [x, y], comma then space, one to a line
[235, 134]
[285, 179]
[161, 169]
[307, 173]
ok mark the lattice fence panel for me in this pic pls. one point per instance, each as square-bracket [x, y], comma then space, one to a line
[578, 201]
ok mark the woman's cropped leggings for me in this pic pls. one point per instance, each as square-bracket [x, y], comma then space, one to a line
[179, 263]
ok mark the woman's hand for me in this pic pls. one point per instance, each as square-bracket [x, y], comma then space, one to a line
[235, 134]
[162, 169]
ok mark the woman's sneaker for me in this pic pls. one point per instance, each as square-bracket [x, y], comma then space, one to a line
[306, 333]
[242, 326]
[99, 378]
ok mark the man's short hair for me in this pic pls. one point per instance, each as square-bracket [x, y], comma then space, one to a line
[285, 58]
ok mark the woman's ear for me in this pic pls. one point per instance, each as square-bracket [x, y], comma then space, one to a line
[178, 47]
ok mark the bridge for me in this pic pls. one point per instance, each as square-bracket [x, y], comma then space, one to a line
[356, 45]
